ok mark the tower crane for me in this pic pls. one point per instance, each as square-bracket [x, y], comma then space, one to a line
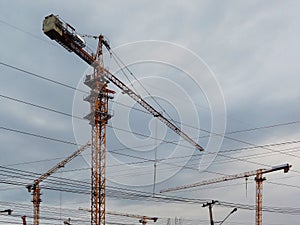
[56, 29]
[35, 186]
[142, 219]
[259, 185]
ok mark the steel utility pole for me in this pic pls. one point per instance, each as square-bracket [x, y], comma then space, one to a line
[210, 205]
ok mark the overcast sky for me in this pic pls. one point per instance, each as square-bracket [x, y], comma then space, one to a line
[249, 53]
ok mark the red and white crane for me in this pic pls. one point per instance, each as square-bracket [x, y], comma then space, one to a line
[56, 29]
[35, 186]
[142, 219]
[259, 184]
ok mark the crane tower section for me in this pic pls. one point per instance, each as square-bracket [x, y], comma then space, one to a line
[98, 118]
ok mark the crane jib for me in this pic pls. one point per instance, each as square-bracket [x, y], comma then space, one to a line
[284, 167]
[150, 109]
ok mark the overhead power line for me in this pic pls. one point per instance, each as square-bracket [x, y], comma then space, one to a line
[169, 142]
[26, 32]
[220, 154]
[204, 130]
[136, 133]
[42, 77]
[85, 92]
[37, 135]
[118, 60]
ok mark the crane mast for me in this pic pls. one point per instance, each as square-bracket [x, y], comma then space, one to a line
[98, 117]
[35, 186]
[56, 29]
[259, 185]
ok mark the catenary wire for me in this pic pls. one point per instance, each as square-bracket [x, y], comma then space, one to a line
[220, 154]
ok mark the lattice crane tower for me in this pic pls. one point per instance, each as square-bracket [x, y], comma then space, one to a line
[98, 117]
